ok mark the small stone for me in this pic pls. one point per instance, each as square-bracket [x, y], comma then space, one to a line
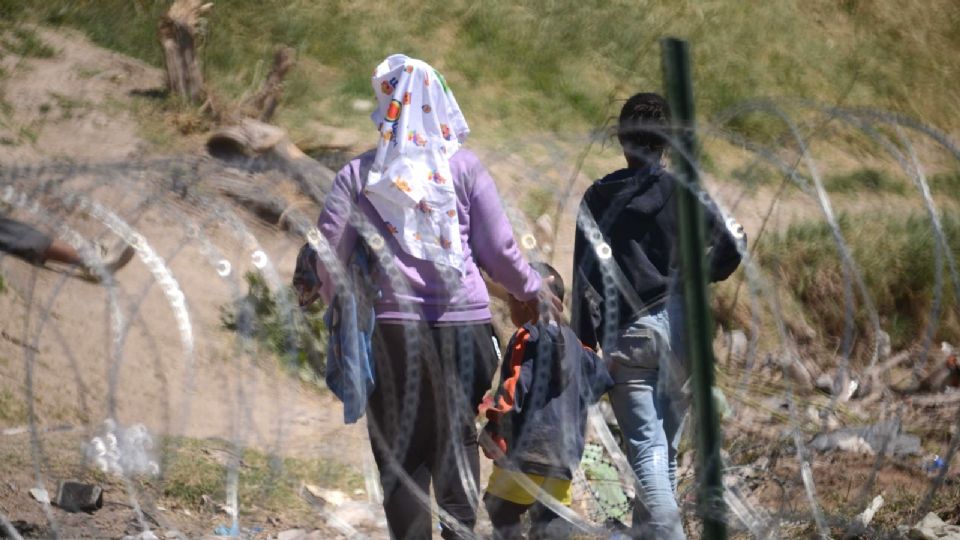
[329, 496]
[79, 497]
[145, 535]
[24, 528]
[738, 346]
[356, 514]
[40, 495]
[931, 527]
[292, 534]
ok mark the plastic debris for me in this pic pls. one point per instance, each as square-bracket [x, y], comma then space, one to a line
[122, 451]
[933, 465]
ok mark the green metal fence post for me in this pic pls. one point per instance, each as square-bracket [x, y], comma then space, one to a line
[699, 324]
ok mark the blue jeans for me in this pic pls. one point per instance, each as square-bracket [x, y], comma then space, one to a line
[649, 373]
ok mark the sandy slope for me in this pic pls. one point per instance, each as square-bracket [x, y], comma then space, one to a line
[84, 90]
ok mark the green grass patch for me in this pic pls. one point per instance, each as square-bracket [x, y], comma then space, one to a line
[552, 65]
[69, 106]
[199, 467]
[756, 174]
[23, 41]
[945, 185]
[538, 201]
[13, 411]
[297, 338]
[896, 256]
[865, 181]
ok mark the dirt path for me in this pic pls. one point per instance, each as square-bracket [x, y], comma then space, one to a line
[56, 347]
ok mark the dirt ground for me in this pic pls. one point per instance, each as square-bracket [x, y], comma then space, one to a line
[55, 341]
[57, 354]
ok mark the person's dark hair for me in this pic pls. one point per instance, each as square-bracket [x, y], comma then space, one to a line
[545, 271]
[644, 120]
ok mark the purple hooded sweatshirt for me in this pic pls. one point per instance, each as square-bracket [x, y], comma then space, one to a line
[486, 236]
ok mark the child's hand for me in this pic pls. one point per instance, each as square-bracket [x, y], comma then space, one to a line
[530, 310]
[546, 296]
[493, 445]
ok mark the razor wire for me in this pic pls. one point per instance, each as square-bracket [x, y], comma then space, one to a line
[47, 195]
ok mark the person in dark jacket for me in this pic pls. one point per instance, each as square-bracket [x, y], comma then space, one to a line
[627, 301]
[539, 415]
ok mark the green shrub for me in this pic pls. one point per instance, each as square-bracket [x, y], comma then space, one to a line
[265, 481]
[896, 257]
[553, 65]
[865, 180]
[945, 184]
[298, 338]
[756, 174]
[538, 201]
[23, 41]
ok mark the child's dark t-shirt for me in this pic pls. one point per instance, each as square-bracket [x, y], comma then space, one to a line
[548, 379]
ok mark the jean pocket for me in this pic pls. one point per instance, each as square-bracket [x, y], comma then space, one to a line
[639, 347]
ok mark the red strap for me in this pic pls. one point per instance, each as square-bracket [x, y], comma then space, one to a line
[507, 396]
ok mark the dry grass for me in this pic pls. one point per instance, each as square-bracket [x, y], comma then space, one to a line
[554, 65]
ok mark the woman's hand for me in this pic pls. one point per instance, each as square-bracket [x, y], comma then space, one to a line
[550, 302]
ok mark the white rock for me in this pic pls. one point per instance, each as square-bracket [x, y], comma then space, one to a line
[931, 527]
[362, 105]
[330, 496]
[292, 534]
[145, 535]
[40, 495]
[738, 346]
[356, 514]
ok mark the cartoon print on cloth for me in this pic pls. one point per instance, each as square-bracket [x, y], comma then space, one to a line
[421, 127]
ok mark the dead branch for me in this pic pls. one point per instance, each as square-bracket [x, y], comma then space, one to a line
[180, 32]
[934, 400]
[265, 102]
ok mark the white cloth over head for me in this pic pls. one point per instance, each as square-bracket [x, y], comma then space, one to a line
[410, 183]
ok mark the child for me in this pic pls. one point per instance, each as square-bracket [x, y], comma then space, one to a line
[539, 415]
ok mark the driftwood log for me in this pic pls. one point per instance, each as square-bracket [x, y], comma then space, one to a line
[255, 144]
[180, 36]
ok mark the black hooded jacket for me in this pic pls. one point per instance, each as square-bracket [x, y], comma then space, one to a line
[635, 213]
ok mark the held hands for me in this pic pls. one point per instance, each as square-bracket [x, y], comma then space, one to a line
[547, 305]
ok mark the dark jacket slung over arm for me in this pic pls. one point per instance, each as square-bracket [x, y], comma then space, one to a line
[636, 212]
[547, 381]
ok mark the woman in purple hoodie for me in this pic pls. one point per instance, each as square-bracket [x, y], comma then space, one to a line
[429, 208]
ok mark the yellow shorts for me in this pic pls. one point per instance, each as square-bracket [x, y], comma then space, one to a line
[507, 485]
